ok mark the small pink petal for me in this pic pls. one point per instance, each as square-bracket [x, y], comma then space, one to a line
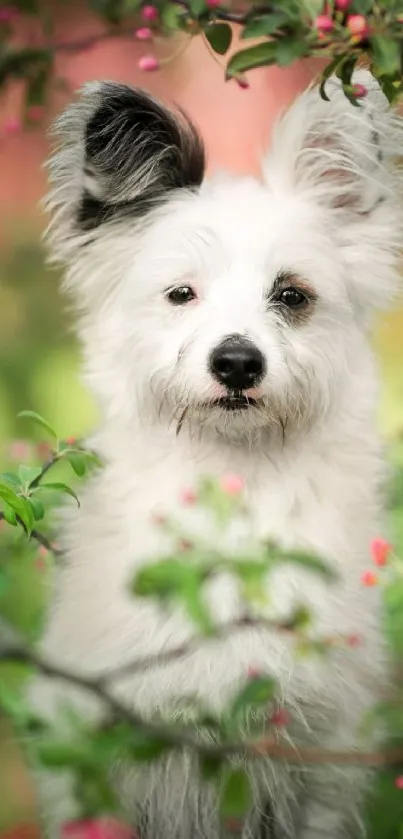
[399, 782]
[232, 484]
[12, 126]
[149, 13]
[324, 23]
[148, 63]
[143, 34]
[188, 497]
[213, 4]
[369, 579]
[353, 640]
[19, 450]
[380, 550]
[359, 91]
[8, 13]
[280, 717]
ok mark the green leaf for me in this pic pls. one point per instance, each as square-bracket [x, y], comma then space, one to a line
[20, 506]
[11, 478]
[39, 421]
[37, 509]
[393, 615]
[77, 462]
[256, 693]
[9, 514]
[236, 796]
[163, 578]
[191, 595]
[146, 747]
[197, 7]
[305, 560]
[59, 755]
[386, 55]
[219, 36]
[27, 474]
[59, 487]
[327, 72]
[289, 50]
[344, 72]
[265, 25]
[261, 55]
[210, 766]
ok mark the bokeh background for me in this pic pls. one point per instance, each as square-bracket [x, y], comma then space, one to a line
[39, 358]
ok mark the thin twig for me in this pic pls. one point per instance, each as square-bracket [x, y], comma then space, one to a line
[38, 537]
[180, 738]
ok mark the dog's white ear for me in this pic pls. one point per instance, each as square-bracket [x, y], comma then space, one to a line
[118, 153]
[345, 158]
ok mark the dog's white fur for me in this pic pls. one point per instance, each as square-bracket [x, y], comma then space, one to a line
[327, 209]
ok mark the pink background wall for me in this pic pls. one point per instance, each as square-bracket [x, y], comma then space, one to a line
[235, 123]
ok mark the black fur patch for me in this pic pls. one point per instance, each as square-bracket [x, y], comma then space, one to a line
[137, 152]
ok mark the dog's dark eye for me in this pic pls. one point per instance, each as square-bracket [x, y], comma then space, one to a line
[181, 295]
[293, 298]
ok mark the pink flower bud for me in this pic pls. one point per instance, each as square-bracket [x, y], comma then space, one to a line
[8, 13]
[358, 25]
[368, 578]
[342, 5]
[148, 63]
[380, 550]
[359, 91]
[324, 23]
[213, 4]
[399, 782]
[280, 717]
[253, 672]
[149, 13]
[71, 441]
[232, 484]
[19, 450]
[143, 34]
[188, 497]
[12, 126]
[353, 641]
[107, 828]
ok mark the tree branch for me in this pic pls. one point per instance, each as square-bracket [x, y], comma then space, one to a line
[38, 537]
[180, 738]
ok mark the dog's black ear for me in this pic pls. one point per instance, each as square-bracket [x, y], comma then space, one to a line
[136, 152]
[119, 151]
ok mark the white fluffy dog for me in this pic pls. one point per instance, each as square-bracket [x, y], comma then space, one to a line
[235, 311]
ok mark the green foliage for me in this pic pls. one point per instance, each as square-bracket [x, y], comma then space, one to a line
[288, 32]
[178, 581]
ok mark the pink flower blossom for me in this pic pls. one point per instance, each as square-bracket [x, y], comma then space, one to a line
[324, 23]
[19, 450]
[8, 13]
[107, 828]
[358, 25]
[12, 125]
[380, 550]
[148, 63]
[213, 4]
[188, 497]
[399, 782]
[359, 91]
[342, 5]
[369, 579]
[280, 717]
[149, 13]
[143, 34]
[353, 640]
[232, 484]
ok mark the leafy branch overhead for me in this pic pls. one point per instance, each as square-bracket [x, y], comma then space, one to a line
[342, 33]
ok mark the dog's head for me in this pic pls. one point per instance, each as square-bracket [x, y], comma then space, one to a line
[235, 302]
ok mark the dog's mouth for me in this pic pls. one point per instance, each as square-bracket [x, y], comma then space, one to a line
[235, 402]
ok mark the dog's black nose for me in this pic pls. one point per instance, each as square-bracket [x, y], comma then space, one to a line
[237, 363]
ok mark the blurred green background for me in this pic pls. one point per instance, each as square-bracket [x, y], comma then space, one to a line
[40, 370]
